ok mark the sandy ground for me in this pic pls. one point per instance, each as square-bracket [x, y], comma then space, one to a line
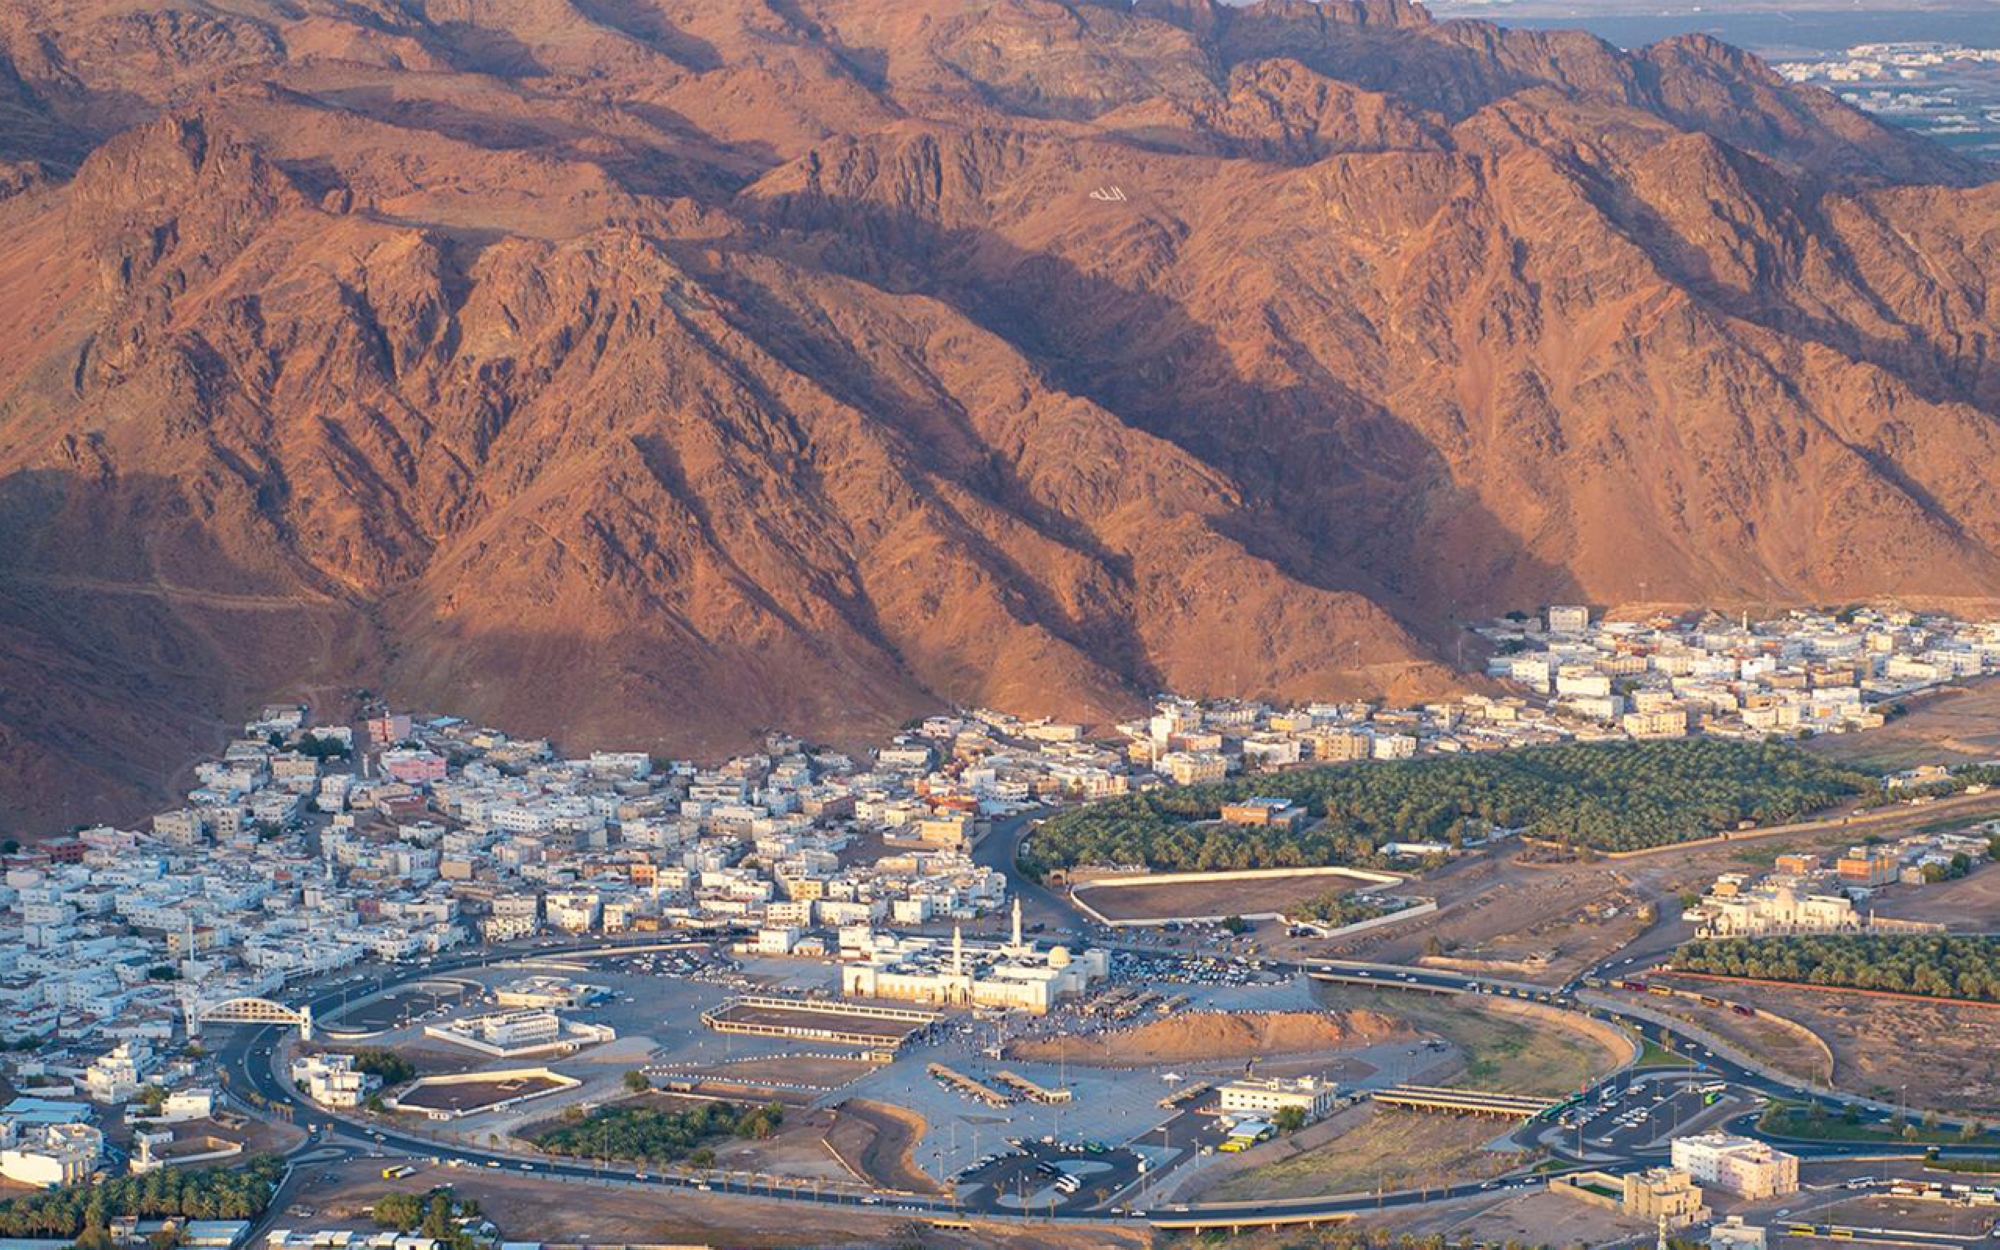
[1216, 1035]
[1969, 904]
[797, 1149]
[819, 1071]
[1536, 922]
[1942, 1053]
[874, 1141]
[1541, 1218]
[1914, 1215]
[257, 1136]
[855, 1141]
[1770, 1041]
[1369, 1148]
[1517, 1053]
[1544, 922]
[1954, 726]
[1213, 898]
[534, 1209]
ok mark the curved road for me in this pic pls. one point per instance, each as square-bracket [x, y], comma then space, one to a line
[249, 1059]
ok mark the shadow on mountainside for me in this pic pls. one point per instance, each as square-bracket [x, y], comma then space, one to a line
[1338, 492]
[118, 671]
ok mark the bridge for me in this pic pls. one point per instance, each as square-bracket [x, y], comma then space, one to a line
[1463, 1101]
[249, 1011]
[1376, 981]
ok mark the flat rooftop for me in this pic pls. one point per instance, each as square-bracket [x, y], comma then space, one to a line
[817, 1018]
[469, 1095]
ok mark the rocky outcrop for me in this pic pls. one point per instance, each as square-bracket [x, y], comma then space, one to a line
[653, 372]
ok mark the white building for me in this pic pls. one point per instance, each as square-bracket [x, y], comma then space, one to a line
[1737, 1165]
[1192, 768]
[1778, 907]
[1394, 746]
[333, 1080]
[1016, 976]
[48, 1155]
[1568, 619]
[574, 911]
[186, 1104]
[1264, 1095]
[515, 1030]
[117, 1075]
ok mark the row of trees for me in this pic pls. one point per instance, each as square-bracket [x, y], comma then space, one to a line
[658, 1136]
[237, 1193]
[1934, 965]
[1601, 796]
[1961, 779]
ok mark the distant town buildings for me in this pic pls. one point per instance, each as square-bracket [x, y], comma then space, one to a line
[1668, 676]
[303, 850]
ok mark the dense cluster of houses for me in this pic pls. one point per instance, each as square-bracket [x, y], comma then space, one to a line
[1665, 677]
[305, 849]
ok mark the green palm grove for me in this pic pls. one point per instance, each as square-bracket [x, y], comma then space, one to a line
[1615, 796]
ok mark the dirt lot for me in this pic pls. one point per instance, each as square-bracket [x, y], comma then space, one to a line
[874, 1141]
[1969, 904]
[1541, 1218]
[798, 1148]
[1370, 1148]
[1783, 1048]
[1525, 921]
[1914, 1215]
[752, 1091]
[819, 1071]
[1521, 1054]
[533, 1209]
[1544, 922]
[1954, 726]
[257, 1136]
[1950, 1068]
[1217, 1035]
[1212, 898]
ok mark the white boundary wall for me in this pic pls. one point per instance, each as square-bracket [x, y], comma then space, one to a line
[1078, 890]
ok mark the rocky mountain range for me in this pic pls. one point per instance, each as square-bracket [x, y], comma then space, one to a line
[651, 372]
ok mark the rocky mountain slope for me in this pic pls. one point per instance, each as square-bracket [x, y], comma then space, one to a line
[653, 371]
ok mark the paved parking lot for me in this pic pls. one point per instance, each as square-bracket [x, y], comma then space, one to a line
[655, 1004]
[1644, 1113]
[1027, 1179]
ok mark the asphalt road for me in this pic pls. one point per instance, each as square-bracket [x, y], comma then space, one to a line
[248, 1057]
[1039, 904]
